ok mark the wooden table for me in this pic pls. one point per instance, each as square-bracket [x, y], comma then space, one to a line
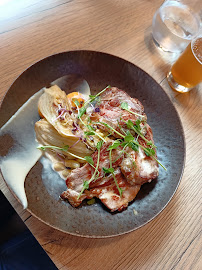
[34, 30]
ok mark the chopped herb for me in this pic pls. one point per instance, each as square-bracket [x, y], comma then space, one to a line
[91, 201]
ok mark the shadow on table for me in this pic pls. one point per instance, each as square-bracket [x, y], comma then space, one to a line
[19, 250]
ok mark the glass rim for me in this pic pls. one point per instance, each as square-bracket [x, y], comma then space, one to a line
[195, 38]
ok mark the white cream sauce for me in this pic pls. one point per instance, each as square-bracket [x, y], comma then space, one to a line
[23, 155]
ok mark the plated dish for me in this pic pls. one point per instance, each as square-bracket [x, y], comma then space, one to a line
[100, 144]
[43, 192]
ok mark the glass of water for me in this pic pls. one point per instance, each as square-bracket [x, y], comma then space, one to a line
[175, 23]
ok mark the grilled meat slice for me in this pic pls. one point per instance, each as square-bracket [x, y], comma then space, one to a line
[111, 113]
[75, 184]
[131, 168]
[109, 194]
[137, 167]
[78, 176]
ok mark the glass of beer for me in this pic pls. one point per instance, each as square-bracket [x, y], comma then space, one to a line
[186, 72]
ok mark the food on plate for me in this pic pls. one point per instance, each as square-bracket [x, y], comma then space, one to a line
[101, 145]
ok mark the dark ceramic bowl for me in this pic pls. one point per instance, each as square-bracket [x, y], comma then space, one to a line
[43, 186]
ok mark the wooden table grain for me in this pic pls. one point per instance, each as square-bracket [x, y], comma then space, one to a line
[31, 30]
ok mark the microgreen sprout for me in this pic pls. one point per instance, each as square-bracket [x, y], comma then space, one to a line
[121, 127]
[89, 159]
[91, 99]
[90, 128]
[124, 145]
[111, 169]
[137, 129]
[121, 152]
[86, 183]
[124, 106]
[65, 149]
[132, 143]
[108, 126]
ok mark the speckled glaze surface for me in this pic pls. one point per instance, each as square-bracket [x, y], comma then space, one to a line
[43, 186]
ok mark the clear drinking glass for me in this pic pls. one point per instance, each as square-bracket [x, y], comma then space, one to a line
[186, 72]
[175, 23]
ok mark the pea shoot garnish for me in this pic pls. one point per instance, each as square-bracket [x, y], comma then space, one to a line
[89, 127]
[111, 169]
[86, 183]
[90, 100]
[132, 143]
[137, 130]
[112, 173]
[124, 106]
[65, 149]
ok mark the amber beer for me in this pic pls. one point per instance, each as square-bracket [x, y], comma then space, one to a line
[186, 72]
